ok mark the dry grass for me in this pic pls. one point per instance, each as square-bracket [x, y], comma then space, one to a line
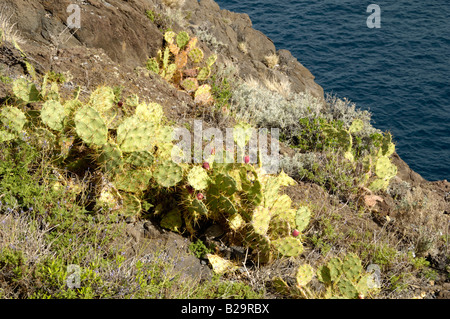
[173, 4]
[272, 60]
[8, 31]
[243, 47]
[282, 87]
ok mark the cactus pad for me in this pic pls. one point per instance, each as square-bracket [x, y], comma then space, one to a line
[302, 218]
[90, 127]
[203, 95]
[172, 220]
[190, 84]
[140, 159]
[261, 220]
[196, 55]
[13, 119]
[168, 174]
[198, 178]
[111, 158]
[305, 274]
[133, 181]
[53, 114]
[134, 135]
[357, 126]
[288, 246]
[182, 39]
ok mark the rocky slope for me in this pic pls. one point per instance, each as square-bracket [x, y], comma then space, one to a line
[112, 46]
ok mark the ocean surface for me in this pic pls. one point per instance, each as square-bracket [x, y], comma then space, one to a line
[400, 72]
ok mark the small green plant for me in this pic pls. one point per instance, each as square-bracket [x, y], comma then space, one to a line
[199, 249]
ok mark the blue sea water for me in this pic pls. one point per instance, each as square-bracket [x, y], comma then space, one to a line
[400, 71]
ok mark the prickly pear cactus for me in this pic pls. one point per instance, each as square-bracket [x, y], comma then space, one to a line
[344, 278]
[305, 274]
[12, 119]
[288, 246]
[90, 126]
[53, 115]
[25, 90]
[198, 178]
[168, 174]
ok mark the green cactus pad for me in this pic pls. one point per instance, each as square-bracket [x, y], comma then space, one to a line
[151, 112]
[302, 218]
[170, 71]
[261, 220]
[285, 180]
[352, 267]
[198, 178]
[131, 206]
[236, 222]
[211, 60]
[168, 174]
[203, 95]
[260, 245]
[305, 274]
[270, 190]
[6, 136]
[12, 119]
[335, 267]
[111, 158]
[134, 135]
[90, 126]
[387, 147]
[133, 181]
[169, 35]
[153, 65]
[190, 84]
[25, 90]
[251, 185]
[378, 184]
[385, 169]
[196, 55]
[53, 114]
[347, 289]
[182, 39]
[279, 227]
[204, 73]
[357, 126]
[281, 204]
[172, 220]
[198, 207]
[323, 274]
[225, 184]
[288, 246]
[140, 159]
[103, 100]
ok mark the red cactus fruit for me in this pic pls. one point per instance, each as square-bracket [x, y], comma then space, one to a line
[200, 196]
[120, 103]
[247, 159]
[206, 165]
[295, 233]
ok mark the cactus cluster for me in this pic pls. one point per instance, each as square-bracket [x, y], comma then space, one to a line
[131, 151]
[344, 278]
[377, 161]
[130, 148]
[182, 63]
